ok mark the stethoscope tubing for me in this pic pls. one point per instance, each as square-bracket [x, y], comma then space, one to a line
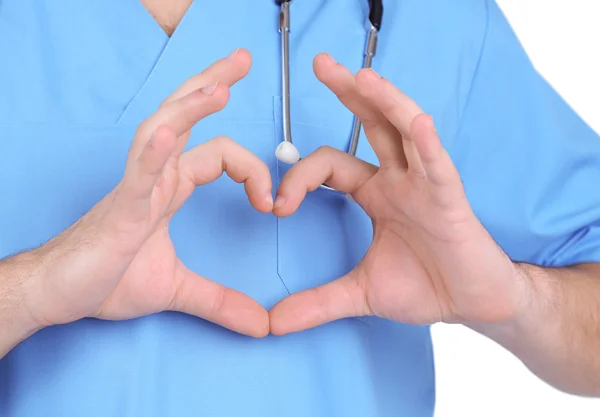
[374, 25]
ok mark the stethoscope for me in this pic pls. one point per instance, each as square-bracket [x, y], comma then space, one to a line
[286, 152]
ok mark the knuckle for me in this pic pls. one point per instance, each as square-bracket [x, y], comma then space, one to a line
[257, 166]
[143, 128]
[360, 78]
[223, 147]
[258, 171]
[325, 151]
[224, 141]
[263, 169]
[164, 103]
[221, 99]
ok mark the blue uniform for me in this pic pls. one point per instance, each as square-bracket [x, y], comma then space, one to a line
[76, 79]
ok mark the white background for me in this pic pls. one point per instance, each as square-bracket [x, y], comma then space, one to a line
[476, 377]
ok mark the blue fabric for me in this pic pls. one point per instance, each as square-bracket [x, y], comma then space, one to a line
[77, 77]
[529, 164]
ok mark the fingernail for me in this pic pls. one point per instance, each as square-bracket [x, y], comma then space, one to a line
[333, 61]
[208, 90]
[279, 201]
[269, 198]
[433, 123]
[231, 56]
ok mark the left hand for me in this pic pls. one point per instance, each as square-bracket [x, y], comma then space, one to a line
[431, 260]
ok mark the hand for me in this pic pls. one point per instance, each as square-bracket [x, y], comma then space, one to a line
[431, 260]
[118, 261]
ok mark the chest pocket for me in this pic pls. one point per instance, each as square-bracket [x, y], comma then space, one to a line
[328, 235]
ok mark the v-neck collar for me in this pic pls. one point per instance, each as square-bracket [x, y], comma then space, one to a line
[131, 111]
[149, 21]
[201, 38]
[210, 30]
[157, 23]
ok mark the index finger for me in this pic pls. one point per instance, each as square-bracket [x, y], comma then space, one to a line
[226, 71]
[181, 115]
[326, 165]
[216, 79]
[396, 106]
[381, 134]
[207, 162]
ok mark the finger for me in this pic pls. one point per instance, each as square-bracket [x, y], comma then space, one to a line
[142, 169]
[207, 162]
[226, 71]
[326, 165]
[383, 136]
[224, 306]
[439, 169]
[336, 300]
[396, 106]
[210, 82]
[145, 173]
[181, 115]
[141, 176]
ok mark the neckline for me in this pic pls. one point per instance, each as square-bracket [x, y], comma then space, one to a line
[156, 23]
[163, 58]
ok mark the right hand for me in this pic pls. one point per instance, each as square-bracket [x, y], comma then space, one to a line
[118, 261]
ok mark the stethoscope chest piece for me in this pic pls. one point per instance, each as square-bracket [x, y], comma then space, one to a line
[287, 153]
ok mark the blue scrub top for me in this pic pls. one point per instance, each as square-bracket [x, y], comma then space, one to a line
[78, 76]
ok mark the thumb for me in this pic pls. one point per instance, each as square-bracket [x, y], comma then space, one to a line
[218, 304]
[342, 298]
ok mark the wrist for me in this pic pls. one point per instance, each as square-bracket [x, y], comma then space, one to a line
[28, 278]
[539, 296]
[17, 318]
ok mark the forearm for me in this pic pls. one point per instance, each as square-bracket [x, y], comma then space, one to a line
[557, 335]
[16, 320]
